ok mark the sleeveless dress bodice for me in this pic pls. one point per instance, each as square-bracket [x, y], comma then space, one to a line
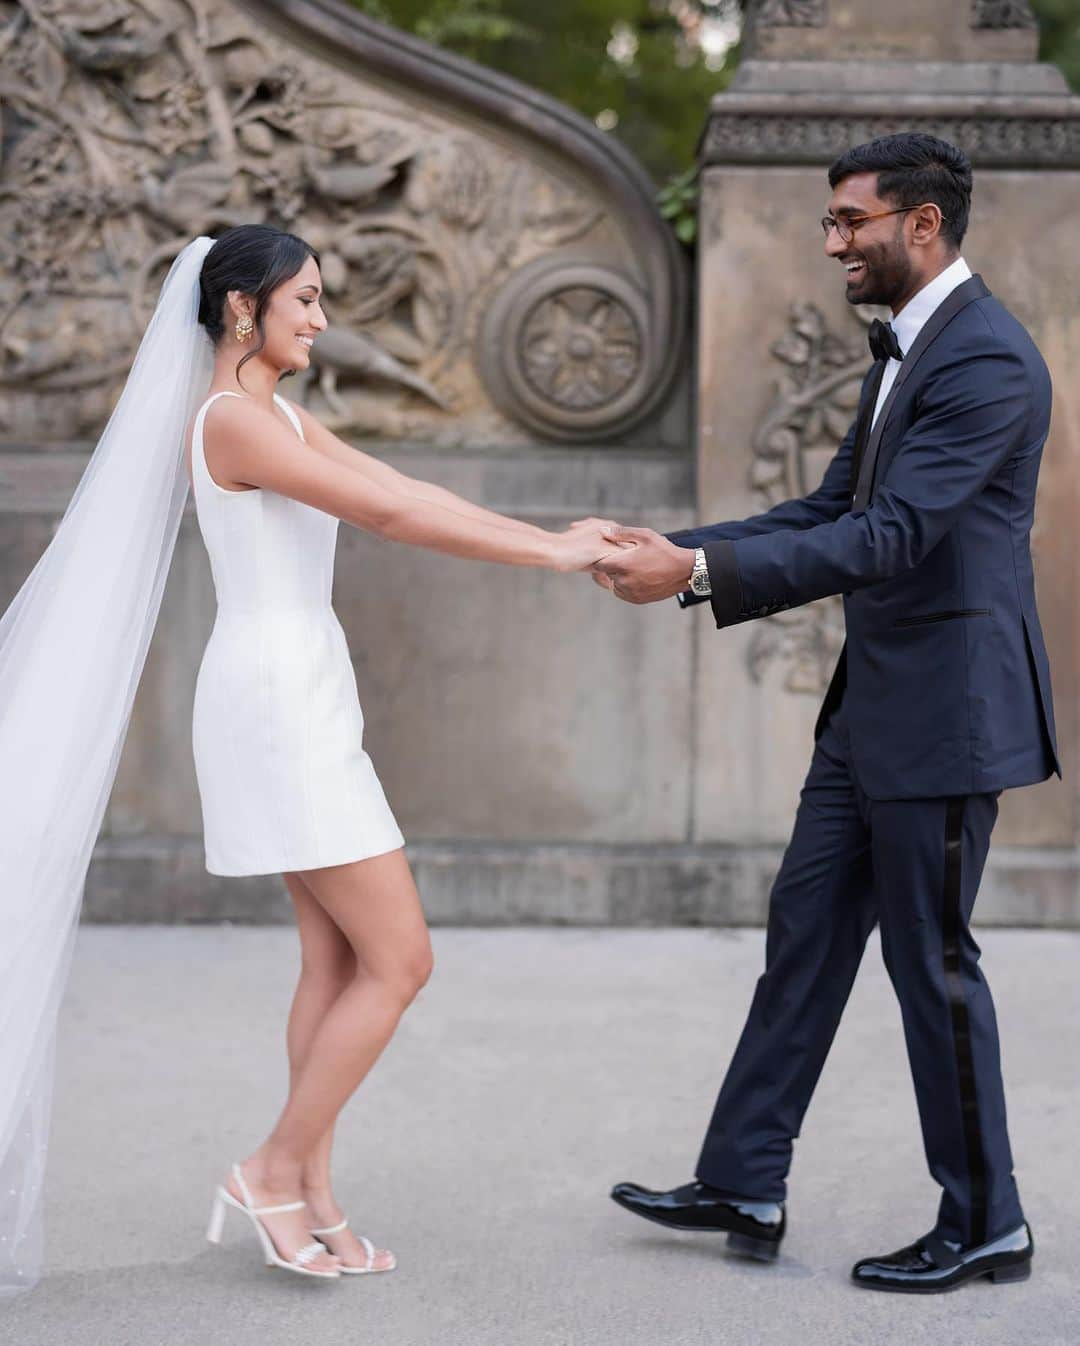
[284, 781]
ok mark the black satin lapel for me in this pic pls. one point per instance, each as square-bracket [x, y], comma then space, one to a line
[967, 293]
[862, 429]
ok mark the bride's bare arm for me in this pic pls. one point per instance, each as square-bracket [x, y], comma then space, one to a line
[246, 443]
[326, 442]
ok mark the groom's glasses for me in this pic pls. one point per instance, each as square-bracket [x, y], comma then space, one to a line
[847, 225]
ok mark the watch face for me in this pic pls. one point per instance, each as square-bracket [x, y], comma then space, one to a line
[699, 584]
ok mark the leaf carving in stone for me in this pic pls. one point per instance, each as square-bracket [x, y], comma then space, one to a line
[188, 195]
[453, 180]
[792, 13]
[815, 400]
[385, 270]
[1002, 14]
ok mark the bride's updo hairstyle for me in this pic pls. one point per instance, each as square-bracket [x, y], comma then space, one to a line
[254, 259]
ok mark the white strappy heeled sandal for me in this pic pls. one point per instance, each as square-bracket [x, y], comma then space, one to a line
[223, 1197]
[370, 1252]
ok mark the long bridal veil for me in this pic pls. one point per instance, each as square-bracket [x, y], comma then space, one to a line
[72, 648]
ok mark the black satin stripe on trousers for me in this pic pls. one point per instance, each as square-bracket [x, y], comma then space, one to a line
[913, 867]
[952, 921]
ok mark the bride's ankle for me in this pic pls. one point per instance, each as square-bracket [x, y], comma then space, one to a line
[320, 1200]
[272, 1172]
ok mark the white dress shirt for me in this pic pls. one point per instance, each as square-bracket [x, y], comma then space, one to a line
[914, 316]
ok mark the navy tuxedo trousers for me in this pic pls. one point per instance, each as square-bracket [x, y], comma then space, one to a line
[913, 866]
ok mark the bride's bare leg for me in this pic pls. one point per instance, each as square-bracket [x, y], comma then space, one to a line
[327, 966]
[375, 906]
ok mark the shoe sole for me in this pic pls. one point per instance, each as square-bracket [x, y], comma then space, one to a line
[1004, 1274]
[745, 1245]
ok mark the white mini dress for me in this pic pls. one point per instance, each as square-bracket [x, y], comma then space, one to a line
[284, 781]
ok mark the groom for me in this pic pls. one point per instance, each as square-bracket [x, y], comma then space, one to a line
[941, 700]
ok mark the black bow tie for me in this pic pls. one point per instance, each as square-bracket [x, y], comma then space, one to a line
[883, 342]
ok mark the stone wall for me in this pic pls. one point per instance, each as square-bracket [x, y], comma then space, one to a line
[509, 318]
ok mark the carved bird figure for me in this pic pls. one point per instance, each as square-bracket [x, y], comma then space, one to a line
[116, 53]
[359, 184]
[338, 351]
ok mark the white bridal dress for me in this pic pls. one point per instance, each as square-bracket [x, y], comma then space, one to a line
[283, 777]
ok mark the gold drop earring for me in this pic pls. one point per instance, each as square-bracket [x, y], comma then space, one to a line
[244, 328]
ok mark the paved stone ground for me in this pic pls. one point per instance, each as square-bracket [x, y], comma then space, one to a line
[537, 1068]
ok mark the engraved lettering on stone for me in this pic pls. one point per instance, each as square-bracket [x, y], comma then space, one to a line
[792, 13]
[580, 348]
[1002, 14]
[130, 126]
[815, 400]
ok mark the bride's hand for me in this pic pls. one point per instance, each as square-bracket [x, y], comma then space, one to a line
[582, 545]
[586, 523]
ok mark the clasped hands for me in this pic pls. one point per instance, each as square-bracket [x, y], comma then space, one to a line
[641, 566]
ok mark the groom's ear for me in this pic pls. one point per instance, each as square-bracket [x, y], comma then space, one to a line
[927, 221]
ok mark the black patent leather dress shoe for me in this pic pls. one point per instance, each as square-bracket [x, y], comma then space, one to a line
[932, 1264]
[754, 1228]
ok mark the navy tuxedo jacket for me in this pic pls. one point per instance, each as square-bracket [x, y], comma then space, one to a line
[923, 525]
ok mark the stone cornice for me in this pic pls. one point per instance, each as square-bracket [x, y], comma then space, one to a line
[1003, 131]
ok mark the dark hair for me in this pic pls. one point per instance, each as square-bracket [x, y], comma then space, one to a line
[913, 168]
[254, 259]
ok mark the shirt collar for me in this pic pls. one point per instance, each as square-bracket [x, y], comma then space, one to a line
[915, 314]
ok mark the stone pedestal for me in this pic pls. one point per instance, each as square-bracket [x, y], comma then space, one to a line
[781, 354]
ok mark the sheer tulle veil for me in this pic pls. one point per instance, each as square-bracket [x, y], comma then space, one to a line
[72, 648]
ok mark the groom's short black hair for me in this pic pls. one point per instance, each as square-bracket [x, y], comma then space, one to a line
[912, 168]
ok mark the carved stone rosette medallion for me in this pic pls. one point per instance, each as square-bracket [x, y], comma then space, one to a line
[131, 126]
[816, 398]
[565, 348]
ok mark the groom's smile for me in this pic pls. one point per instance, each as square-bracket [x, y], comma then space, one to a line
[864, 232]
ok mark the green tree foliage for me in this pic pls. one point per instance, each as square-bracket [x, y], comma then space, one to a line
[1059, 38]
[643, 70]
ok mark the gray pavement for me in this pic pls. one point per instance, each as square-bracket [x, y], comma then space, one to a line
[537, 1068]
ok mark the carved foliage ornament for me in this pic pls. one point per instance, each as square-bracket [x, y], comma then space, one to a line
[130, 126]
[792, 13]
[816, 398]
[1002, 14]
[1029, 142]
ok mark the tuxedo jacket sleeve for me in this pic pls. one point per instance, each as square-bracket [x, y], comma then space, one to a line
[831, 499]
[971, 417]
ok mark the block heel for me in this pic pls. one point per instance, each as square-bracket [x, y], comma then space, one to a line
[761, 1250]
[1019, 1271]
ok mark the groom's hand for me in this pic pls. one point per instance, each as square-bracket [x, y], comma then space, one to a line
[646, 568]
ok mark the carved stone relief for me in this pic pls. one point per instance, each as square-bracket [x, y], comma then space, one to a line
[815, 400]
[792, 13]
[569, 338]
[130, 126]
[1002, 14]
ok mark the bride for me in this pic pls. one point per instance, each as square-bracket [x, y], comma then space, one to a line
[284, 782]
